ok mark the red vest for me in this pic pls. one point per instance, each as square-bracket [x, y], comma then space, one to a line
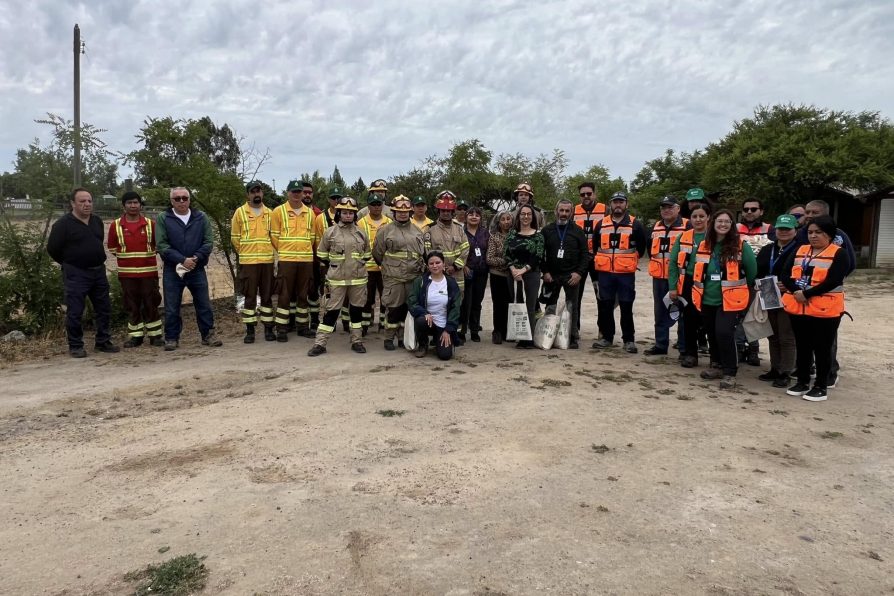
[134, 245]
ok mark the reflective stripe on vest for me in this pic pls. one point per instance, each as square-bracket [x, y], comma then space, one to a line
[662, 241]
[825, 306]
[687, 245]
[614, 254]
[588, 220]
[733, 285]
[122, 247]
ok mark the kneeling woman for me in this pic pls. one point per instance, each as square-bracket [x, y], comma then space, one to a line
[434, 302]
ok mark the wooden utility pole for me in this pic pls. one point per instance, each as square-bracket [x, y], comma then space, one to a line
[77, 106]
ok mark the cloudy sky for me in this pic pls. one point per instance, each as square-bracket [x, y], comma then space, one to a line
[376, 86]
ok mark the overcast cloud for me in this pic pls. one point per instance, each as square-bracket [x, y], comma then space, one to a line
[376, 86]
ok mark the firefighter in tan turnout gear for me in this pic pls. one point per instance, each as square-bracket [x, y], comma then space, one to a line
[398, 249]
[345, 250]
[448, 237]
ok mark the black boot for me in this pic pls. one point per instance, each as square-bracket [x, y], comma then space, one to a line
[269, 334]
[249, 335]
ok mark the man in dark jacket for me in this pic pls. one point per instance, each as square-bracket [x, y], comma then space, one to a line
[184, 241]
[75, 242]
[566, 262]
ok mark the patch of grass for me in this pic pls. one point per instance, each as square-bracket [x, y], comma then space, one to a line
[685, 397]
[830, 434]
[390, 413]
[650, 396]
[164, 549]
[555, 383]
[600, 448]
[602, 509]
[177, 577]
[381, 368]
[520, 379]
[614, 377]
[665, 392]
[646, 384]
[778, 412]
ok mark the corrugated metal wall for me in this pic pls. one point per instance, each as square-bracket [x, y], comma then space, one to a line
[884, 252]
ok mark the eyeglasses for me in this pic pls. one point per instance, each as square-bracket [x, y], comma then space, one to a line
[179, 199]
[751, 209]
[586, 194]
[723, 222]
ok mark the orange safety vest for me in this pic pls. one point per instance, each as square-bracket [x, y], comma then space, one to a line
[614, 254]
[662, 240]
[762, 230]
[733, 285]
[687, 247]
[813, 271]
[587, 220]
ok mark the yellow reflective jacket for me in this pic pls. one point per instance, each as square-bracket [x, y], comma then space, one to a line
[450, 239]
[371, 227]
[250, 235]
[292, 233]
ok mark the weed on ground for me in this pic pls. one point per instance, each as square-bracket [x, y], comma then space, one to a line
[177, 577]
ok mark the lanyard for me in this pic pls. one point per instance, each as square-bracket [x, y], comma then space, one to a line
[562, 234]
[782, 253]
[805, 262]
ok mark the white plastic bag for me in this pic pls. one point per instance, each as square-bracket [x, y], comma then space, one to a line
[410, 332]
[563, 334]
[545, 331]
[756, 323]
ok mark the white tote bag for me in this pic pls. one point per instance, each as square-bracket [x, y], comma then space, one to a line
[410, 332]
[545, 331]
[756, 323]
[518, 325]
[563, 334]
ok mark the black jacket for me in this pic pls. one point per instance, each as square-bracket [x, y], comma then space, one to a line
[575, 256]
[72, 242]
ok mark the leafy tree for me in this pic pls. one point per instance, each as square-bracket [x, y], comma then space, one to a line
[30, 284]
[418, 182]
[672, 174]
[787, 153]
[200, 156]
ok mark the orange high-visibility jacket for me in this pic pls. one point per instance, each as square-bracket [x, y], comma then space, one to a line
[813, 270]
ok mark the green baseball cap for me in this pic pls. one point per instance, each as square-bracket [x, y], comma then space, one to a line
[695, 194]
[294, 185]
[252, 184]
[335, 193]
[419, 201]
[786, 222]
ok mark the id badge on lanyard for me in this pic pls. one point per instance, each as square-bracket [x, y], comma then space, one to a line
[560, 253]
[477, 251]
[806, 271]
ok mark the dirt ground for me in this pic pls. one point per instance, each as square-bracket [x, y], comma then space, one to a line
[509, 472]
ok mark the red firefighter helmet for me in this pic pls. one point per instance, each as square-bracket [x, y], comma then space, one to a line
[445, 201]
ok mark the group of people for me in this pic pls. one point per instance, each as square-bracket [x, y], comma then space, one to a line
[433, 274]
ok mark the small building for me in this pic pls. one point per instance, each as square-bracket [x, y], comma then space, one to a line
[880, 208]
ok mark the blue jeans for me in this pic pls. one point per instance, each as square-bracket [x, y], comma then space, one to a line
[197, 283]
[663, 321]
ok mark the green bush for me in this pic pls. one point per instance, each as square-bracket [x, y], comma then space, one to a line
[30, 283]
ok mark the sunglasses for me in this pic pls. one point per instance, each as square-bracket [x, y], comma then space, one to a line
[586, 194]
[751, 209]
[179, 199]
[798, 215]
